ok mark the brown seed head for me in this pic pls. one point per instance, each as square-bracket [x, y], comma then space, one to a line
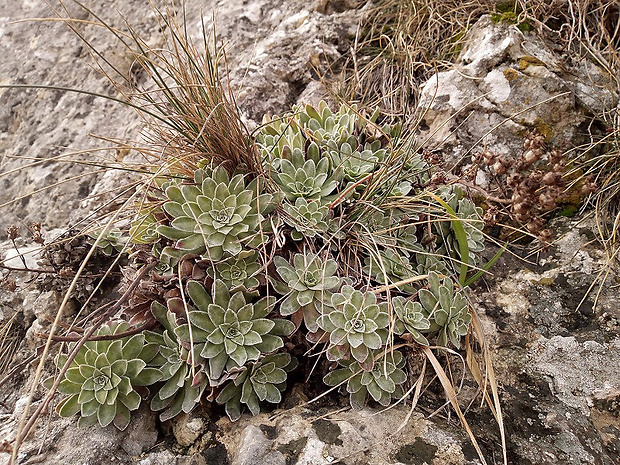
[13, 232]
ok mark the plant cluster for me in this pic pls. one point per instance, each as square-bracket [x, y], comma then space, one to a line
[63, 256]
[530, 187]
[339, 243]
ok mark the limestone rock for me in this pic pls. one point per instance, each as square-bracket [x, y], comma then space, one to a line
[505, 83]
[303, 437]
[555, 357]
[187, 428]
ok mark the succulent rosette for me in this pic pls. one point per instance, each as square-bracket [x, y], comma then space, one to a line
[306, 218]
[383, 383]
[308, 285]
[392, 267]
[99, 383]
[184, 383]
[239, 272]
[216, 215]
[309, 179]
[411, 319]
[467, 215]
[446, 309]
[263, 381]
[356, 326]
[228, 330]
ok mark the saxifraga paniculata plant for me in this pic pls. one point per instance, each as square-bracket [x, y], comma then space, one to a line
[100, 381]
[340, 239]
[184, 381]
[383, 382]
[262, 381]
[230, 331]
[216, 215]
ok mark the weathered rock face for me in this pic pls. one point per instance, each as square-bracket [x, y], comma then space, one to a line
[505, 83]
[274, 49]
[556, 361]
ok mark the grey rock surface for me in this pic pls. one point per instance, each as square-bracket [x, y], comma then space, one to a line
[274, 49]
[505, 83]
[556, 360]
[369, 437]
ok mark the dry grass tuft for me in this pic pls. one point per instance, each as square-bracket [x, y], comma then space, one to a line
[401, 43]
[11, 335]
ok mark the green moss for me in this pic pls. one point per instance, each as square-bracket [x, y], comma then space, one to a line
[569, 210]
[543, 128]
[507, 6]
[457, 45]
[510, 17]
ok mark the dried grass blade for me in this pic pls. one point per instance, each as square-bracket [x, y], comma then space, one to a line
[451, 394]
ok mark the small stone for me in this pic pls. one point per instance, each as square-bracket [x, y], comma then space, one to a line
[141, 433]
[188, 428]
[255, 448]
[159, 458]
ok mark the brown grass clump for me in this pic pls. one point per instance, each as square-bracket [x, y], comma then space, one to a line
[401, 43]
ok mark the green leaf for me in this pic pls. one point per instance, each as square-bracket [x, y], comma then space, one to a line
[157, 403]
[69, 406]
[172, 385]
[282, 327]
[134, 367]
[131, 400]
[289, 305]
[114, 351]
[89, 408]
[476, 276]
[122, 418]
[73, 374]
[147, 377]
[149, 352]
[226, 394]
[172, 233]
[358, 399]
[199, 295]
[273, 394]
[132, 347]
[270, 343]
[461, 237]
[233, 408]
[68, 387]
[106, 414]
[87, 421]
[263, 326]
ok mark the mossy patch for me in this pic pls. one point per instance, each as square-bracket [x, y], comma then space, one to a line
[511, 74]
[328, 432]
[543, 128]
[509, 17]
[569, 210]
[506, 13]
[527, 61]
[417, 453]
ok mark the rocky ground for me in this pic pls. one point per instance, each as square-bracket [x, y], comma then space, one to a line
[556, 358]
